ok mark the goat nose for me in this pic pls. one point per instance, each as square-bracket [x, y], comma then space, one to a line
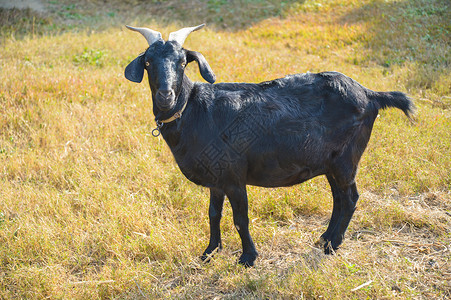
[166, 94]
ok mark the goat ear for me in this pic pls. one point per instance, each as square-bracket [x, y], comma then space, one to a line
[135, 70]
[204, 67]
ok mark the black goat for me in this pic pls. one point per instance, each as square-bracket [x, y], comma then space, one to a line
[272, 134]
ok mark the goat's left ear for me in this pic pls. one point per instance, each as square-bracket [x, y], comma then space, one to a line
[135, 70]
[204, 67]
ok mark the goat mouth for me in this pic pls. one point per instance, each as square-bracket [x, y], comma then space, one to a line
[166, 106]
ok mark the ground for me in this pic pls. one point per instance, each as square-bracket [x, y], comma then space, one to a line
[92, 206]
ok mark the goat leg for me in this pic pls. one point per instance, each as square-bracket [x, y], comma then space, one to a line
[345, 200]
[336, 211]
[215, 213]
[239, 202]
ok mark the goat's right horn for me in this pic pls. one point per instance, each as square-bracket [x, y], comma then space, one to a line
[151, 35]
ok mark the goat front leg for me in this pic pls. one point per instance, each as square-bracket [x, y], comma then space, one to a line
[238, 200]
[215, 213]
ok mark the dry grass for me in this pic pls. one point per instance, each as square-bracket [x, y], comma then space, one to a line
[93, 207]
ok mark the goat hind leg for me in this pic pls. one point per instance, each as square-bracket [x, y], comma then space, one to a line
[336, 213]
[345, 200]
[215, 213]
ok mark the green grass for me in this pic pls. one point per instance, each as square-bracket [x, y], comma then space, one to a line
[93, 207]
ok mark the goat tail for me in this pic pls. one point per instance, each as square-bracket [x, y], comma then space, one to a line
[394, 99]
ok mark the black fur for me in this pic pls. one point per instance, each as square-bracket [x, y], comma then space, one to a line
[275, 133]
[135, 70]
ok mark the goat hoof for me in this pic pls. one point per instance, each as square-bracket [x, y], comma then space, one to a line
[209, 253]
[206, 257]
[321, 242]
[247, 259]
[330, 247]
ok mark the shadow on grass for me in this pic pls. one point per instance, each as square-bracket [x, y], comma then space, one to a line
[60, 16]
[19, 22]
[413, 32]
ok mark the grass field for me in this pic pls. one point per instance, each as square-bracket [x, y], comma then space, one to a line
[93, 207]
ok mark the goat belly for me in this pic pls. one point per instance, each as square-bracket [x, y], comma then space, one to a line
[212, 167]
[279, 179]
[273, 172]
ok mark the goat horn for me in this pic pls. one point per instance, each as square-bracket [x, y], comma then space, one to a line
[151, 35]
[180, 36]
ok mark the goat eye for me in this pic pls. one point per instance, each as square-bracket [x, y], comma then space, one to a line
[183, 64]
[147, 64]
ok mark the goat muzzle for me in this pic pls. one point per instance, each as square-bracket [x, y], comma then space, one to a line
[165, 99]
